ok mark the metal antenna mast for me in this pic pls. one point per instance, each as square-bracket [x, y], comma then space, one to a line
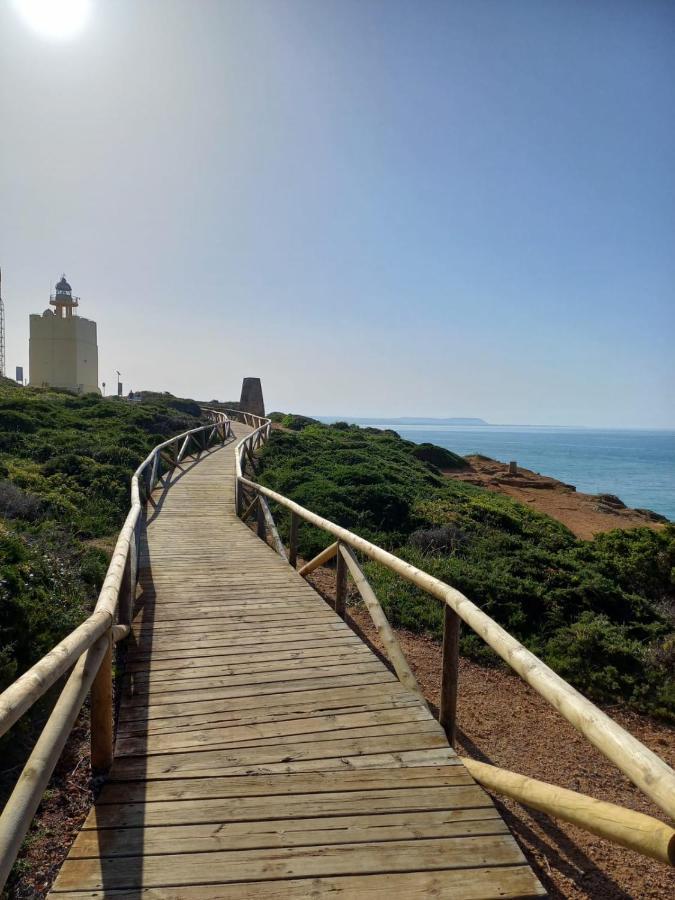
[2, 330]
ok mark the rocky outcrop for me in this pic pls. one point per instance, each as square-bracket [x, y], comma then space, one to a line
[584, 514]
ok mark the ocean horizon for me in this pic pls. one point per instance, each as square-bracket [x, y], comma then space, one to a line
[635, 464]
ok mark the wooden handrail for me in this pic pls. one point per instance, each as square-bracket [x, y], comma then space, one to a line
[640, 764]
[643, 767]
[25, 798]
[86, 648]
[626, 827]
[21, 695]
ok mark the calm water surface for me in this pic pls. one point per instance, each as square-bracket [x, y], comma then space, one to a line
[636, 465]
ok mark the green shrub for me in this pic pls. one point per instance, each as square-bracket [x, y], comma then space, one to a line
[439, 457]
[297, 423]
[597, 611]
[42, 595]
[65, 467]
[189, 407]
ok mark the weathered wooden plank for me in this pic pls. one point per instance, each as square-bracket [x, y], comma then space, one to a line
[275, 785]
[169, 692]
[172, 765]
[295, 658]
[262, 616]
[483, 883]
[175, 612]
[216, 739]
[253, 715]
[165, 667]
[173, 704]
[288, 862]
[216, 736]
[251, 835]
[287, 695]
[465, 795]
[176, 649]
[233, 624]
[431, 756]
[156, 680]
[191, 638]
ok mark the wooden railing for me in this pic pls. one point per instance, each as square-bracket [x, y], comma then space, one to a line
[643, 833]
[88, 653]
[88, 650]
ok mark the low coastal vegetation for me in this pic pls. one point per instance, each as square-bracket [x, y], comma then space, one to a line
[599, 612]
[65, 465]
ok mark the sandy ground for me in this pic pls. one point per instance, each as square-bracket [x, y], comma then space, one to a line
[584, 514]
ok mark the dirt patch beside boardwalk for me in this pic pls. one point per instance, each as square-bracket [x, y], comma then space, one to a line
[584, 514]
[502, 721]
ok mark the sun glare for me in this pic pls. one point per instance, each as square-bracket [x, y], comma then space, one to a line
[55, 19]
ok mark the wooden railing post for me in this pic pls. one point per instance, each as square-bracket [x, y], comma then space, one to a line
[262, 530]
[448, 710]
[340, 585]
[137, 544]
[153, 473]
[101, 723]
[127, 588]
[293, 540]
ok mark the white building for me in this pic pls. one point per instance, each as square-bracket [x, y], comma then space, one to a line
[63, 351]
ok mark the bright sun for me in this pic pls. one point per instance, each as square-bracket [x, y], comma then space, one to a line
[57, 19]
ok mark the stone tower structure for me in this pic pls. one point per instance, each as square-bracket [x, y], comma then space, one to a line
[63, 351]
[252, 397]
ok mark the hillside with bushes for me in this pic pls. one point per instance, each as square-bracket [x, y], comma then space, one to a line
[65, 468]
[600, 612]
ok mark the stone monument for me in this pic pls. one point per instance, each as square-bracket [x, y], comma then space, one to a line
[252, 397]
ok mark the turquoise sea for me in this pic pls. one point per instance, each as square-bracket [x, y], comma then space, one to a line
[637, 465]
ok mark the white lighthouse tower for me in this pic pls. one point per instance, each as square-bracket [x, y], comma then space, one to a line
[63, 351]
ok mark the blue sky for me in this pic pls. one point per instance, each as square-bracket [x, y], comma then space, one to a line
[380, 207]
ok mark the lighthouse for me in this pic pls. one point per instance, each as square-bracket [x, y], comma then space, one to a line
[63, 351]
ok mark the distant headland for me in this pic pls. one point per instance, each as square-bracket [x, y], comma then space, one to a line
[410, 420]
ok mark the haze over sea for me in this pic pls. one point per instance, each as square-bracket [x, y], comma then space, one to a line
[635, 464]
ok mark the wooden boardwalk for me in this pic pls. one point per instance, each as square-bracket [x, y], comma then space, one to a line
[263, 750]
